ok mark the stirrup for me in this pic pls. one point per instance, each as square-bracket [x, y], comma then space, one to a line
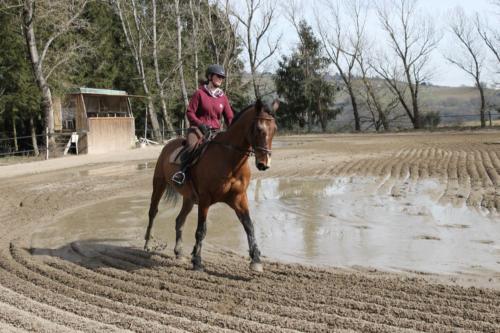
[179, 177]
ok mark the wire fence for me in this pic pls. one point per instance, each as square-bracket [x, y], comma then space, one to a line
[25, 145]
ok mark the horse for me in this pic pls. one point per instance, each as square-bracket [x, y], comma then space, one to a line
[221, 174]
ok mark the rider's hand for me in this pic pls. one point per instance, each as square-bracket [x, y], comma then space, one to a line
[204, 128]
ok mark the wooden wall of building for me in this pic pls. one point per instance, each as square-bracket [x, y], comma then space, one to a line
[80, 114]
[56, 104]
[110, 134]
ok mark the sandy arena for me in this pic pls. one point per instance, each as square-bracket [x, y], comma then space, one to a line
[71, 254]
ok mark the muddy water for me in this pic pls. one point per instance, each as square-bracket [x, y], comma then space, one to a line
[339, 222]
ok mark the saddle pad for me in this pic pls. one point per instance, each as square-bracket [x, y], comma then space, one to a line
[175, 156]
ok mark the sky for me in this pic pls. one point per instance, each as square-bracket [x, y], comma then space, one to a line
[443, 73]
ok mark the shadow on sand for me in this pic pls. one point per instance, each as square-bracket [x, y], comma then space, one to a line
[113, 253]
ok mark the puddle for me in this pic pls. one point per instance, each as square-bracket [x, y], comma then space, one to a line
[340, 222]
[116, 169]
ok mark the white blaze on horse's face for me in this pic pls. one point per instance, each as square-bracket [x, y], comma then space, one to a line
[265, 128]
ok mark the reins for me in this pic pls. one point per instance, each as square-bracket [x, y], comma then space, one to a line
[230, 146]
[253, 148]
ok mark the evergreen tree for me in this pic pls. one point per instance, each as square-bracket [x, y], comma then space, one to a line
[301, 81]
[19, 95]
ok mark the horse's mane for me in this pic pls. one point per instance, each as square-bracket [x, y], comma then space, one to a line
[257, 104]
[238, 115]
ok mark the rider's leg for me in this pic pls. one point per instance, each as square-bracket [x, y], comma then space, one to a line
[191, 140]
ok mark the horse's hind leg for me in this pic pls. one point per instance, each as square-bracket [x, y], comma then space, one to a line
[201, 231]
[159, 186]
[187, 206]
[241, 208]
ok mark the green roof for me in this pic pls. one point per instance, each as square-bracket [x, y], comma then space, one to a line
[95, 91]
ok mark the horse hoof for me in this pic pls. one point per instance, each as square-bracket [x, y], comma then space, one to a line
[180, 258]
[256, 267]
[197, 268]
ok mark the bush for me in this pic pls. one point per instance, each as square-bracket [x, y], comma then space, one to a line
[431, 119]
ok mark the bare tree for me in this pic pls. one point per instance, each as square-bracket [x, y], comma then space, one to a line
[195, 11]
[412, 38]
[178, 25]
[60, 17]
[254, 33]
[469, 55]
[132, 19]
[223, 33]
[292, 10]
[342, 42]
[373, 96]
[160, 85]
[490, 36]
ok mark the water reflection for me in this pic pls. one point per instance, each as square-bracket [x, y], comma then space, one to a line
[341, 222]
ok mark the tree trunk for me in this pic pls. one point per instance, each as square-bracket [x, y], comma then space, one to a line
[255, 85]
[33, 136]
[136, 50]
[483, 103]
[154, 120]
[416, 115]
[413, 93]
[195, 42]
[383, 120]
[179, 57]
[159, 86]
[151, 108]
[47, 107]
[253, 70]
[357, 123]
[381, 115]
[14, 131]
[321, 116]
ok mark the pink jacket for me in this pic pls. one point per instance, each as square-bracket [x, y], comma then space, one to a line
[207, 109]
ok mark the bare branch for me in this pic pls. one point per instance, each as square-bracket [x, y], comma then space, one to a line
[255, 32]
[470, 59]
[490, 37]
[63, 27]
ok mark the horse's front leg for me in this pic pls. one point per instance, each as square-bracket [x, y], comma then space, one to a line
[201, 231]
[241, 208]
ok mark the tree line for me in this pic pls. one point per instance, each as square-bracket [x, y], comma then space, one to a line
[381, 53]
[159, 49]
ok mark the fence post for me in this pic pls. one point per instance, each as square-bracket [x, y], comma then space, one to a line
[146, 124]
[46, 143]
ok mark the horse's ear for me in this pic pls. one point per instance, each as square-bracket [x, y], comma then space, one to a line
[275, 106]
[258, 104]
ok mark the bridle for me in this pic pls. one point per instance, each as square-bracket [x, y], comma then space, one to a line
[253, 145]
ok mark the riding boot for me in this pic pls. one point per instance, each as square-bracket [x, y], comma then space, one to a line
[180, 176]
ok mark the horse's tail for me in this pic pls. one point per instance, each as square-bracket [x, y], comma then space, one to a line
[171, 195]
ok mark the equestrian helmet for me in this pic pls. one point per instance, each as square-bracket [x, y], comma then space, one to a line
[216, 69]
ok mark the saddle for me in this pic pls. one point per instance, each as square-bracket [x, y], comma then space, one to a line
[184, 153]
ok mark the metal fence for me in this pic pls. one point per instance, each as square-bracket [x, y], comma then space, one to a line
[21, 145]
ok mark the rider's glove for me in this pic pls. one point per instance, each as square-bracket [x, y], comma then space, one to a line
[204, 128]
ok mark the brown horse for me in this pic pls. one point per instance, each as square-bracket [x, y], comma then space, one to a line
[222, 174]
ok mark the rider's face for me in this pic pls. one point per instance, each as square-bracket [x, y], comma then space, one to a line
[217, 80]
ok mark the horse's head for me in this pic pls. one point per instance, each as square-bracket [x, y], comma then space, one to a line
[262, 133]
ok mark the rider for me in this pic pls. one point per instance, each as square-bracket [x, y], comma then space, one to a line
[205, 108]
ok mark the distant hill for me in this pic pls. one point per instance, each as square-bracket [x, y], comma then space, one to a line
[455, 105]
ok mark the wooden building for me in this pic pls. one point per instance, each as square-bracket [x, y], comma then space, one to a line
[102, 118]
